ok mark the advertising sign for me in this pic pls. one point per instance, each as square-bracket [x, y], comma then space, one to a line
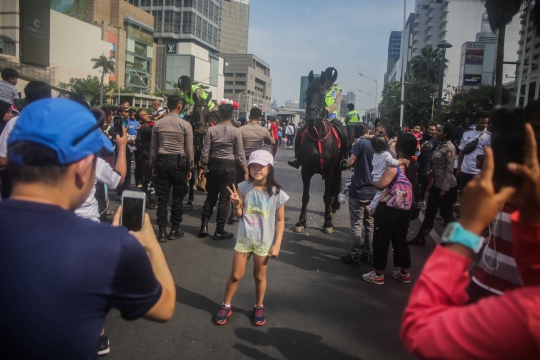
[35, 31]
[474, 54]
[472, 80]
[171, 48]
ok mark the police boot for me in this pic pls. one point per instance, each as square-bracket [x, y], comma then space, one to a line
[425, 229]
[162, 235]
[176, 232]
[204, 227]
[221, 234]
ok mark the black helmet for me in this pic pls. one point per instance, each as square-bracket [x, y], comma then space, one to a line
[331, 73]
[351, 106]
[184, 82]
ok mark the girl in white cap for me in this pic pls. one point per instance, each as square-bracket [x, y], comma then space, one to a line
[259, 204]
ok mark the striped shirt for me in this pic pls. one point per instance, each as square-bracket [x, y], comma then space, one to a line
[497, 270]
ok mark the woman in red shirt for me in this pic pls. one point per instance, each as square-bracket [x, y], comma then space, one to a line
[275, 128]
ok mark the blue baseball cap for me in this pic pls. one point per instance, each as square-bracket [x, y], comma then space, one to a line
[62, 125]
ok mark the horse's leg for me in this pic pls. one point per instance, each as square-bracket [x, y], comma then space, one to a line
[328, 200]
[336, 188]
[302, 221]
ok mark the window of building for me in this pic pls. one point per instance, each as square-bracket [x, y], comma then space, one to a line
[229, 82]
[199, 5]
[198, 27]
[216, 14]
[136, 32]
[204, 30]
[205, 8]
[188, 3]
[240, 75]
[188, 22]
[158, 2]
[146, 2]
[240, 83]
[211, 11]
[134, 2]
[238, 91]
[158, 19]
[229, 91]
[214, 71]
[130, 45]
[228, 74]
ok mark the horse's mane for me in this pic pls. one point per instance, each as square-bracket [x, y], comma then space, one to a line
[314, 86]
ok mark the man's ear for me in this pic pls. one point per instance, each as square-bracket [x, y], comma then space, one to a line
[82, 167]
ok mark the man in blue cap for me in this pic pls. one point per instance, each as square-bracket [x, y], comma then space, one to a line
[60, 274]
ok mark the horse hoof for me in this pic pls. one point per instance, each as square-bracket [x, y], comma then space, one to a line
[188, 207]
[328, 230]
[299, 229]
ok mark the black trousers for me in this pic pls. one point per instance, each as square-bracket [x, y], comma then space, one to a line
[148, 179]
[423, 178]
[219, 176]
[464, 180]
[391, 225]
[445, 206]
[138, 170]
[101, 200]
[170, 176]
[7, 184]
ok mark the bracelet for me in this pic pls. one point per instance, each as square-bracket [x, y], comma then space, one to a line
[236, 208]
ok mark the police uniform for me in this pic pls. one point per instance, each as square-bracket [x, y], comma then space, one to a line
[332, 101]
[222, 151]
[195, 89]
[352, 119]
[171, 154]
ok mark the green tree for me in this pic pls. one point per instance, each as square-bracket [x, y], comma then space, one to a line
[106, 65]
[391, 100]
[425, 66]
[500, 13]
[419, 102]
[89, 90]
[466, 103]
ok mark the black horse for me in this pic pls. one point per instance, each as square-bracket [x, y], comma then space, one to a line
[319, 154]
[200, 119]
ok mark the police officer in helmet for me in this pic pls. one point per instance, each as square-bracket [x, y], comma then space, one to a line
[352, 119]
[188, 89]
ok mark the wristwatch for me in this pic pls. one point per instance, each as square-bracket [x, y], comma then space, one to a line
[456, 234]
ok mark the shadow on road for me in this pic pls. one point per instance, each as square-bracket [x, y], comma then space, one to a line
[292, 344]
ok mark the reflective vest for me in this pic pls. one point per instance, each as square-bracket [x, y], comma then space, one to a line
[330, 99]
[353, 116]
[189, 97]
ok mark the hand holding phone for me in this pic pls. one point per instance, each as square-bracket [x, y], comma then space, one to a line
[133, 205]
[118, 126]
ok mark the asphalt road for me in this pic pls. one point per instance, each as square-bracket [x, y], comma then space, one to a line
[316, 306]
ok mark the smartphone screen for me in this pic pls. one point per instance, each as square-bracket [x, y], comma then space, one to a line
[507, 142]
[118, 122]
[132, 213]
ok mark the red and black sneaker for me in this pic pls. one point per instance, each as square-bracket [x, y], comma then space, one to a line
[258, 316]
[222, 314]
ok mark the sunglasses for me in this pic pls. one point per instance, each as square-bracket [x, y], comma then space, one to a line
[98, 125]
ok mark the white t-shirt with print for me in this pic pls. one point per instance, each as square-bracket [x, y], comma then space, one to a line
[105, 174]
[468, 165]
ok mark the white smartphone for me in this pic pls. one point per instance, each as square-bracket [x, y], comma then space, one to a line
[133, 205]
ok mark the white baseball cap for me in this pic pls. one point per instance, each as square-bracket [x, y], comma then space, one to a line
[261, 157]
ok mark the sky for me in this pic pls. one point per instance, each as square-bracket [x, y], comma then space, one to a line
[297, 36]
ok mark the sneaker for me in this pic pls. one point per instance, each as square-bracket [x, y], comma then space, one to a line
[351, 260]
[374, 278]
[341, 198]
[103, 345]
[222, 314]
[258, 316]
[406, 278]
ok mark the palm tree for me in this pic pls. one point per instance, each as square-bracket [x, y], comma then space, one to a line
[426, 65]
[106, 65]
[500, 14]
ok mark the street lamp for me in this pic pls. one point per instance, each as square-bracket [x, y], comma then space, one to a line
[376, 91]
[365, 93]
[443, 45]
[433, 97]
[238, 110]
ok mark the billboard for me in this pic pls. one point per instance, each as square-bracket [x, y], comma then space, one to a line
[474, 54]
[472, 80]
[35, 31]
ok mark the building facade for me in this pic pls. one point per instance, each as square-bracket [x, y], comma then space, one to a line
[394, 52]
[247, 81]
[234, 26]
[291, 105]
[346, 98]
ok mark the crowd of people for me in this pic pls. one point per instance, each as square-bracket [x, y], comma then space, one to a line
[60, 161]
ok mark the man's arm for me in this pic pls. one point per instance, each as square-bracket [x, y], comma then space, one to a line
[330, 109]
[154, 147]
[4, 140]
[121, 161]
[188, 148]
[459, 162]
[268, 139]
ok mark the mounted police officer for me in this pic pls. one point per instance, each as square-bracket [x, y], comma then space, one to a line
[188, 89]
[332, 101]
[352, 119]
[222, 151]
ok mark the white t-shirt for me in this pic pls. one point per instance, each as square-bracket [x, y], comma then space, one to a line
[5, 135]
[468, 165]
[289, 130]
[159, 111]
[105, 174]
[380, 163]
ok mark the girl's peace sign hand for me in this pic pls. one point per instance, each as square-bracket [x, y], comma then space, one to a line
[235, 198]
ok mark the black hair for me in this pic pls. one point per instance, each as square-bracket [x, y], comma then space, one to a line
[389, 128]
[406, 146]
[107, 110]
[431, 124]
[378, 143]
[272, 186]
[9, 73]
[225, 111]
[255, 113]
[37, 90]
[482, 115]
[41, 163]
[360, 129]
[376, 123]
[138, 114]
[351, 106]
[173, 100]
[450, 130]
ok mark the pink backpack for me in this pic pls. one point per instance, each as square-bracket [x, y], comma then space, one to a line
[401, 192]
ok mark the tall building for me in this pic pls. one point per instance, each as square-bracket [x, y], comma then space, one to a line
[456, 22]
[346, 99]
[394, 52]
[234, 26]
[247, 81]
[304, 83]
[291, 105]
[187, 34]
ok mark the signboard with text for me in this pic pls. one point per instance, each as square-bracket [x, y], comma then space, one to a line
[472, 80]
[35, 31]
[474, 54]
